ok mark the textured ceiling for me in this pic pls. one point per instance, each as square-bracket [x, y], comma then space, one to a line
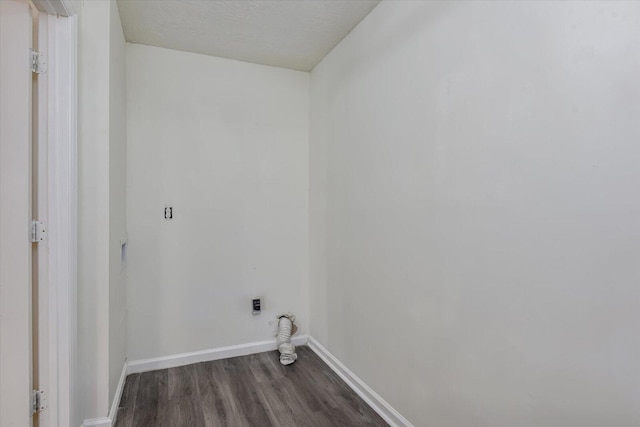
[293, 34]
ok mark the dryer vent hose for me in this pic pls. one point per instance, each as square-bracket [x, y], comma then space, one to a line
[285, 329]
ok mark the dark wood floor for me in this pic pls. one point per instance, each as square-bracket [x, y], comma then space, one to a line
[253, 390]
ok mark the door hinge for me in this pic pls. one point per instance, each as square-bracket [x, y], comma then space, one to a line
[38, 401]
[38, 231]
[38, 62]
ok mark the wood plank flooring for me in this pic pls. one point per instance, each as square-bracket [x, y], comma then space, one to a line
[245, 391]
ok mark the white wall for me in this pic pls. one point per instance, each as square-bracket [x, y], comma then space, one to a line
[226, 144]
[117, 200]
[101, 206]
[474, 210]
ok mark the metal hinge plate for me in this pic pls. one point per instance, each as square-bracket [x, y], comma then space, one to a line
[38, 401]
[38, 231]
[38, 62]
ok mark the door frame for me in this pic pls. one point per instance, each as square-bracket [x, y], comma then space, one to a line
[58, 202]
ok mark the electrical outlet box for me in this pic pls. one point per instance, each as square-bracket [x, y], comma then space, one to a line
[256, 305]
[168, 212]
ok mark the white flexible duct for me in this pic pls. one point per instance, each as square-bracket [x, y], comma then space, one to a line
[287, 350]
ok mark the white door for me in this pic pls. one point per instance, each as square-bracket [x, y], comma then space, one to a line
[15, 213]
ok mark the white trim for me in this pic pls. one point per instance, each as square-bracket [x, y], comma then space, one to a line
[373, 399]
[113, 413]
[145, 365]
[62, 190]
[97, 422]
[111, 419]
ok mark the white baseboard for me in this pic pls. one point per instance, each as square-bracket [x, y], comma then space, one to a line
[110, 420]
[144, 365]
[373, 399]
[113, 413]
[97, 422]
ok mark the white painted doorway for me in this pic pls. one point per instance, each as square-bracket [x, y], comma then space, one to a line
[15, 213]
[55, 161]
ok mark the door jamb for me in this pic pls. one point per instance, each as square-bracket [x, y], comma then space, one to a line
[58, 128]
